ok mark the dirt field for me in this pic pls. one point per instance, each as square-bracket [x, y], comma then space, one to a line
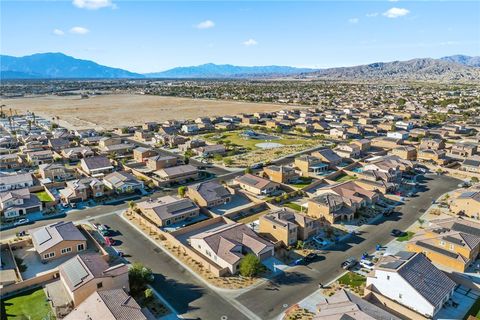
[116, 110]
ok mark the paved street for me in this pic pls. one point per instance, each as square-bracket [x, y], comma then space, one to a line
[270, 299]
[187, 295]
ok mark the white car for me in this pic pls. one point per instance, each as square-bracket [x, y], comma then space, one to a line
[367, 264]
[21, 222]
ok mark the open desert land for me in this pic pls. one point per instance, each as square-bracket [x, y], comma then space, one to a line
[117, 110]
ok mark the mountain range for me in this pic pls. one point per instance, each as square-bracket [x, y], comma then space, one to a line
[58, 66]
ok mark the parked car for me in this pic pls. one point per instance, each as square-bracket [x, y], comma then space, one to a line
[257, 166]
[397, 233]
[367, 264]
[109, 241]
[21, 222]
[320, 241]
[310, 257]
[349, 263]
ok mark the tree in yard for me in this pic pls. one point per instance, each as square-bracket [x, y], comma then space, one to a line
[300, 244]
[474, 180]
[181, 191]
[248, 170]
[278, 129]
[250, 265]
[148, 294]
[131, 205]
[139, 276]
[421, 221]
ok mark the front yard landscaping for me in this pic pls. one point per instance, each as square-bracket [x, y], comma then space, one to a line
[31, 304]
[293, 205]
[406, 237]
[344, 177]
[302, 182]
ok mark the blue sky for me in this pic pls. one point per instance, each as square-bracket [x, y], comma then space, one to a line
[148, 36]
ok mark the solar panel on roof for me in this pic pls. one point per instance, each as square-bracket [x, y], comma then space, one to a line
[467, 229]
[42, 236]
[249, 180]
[75, 271]
[405, 255]
[454, 240]
[439, 250]
[393, 265]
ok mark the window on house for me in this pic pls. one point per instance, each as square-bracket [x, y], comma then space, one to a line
[388, 277]
[80, 247]
[66, 250]
[99, 285]
[400, 296]
[442, 243]
[452, 247]
[49, 255]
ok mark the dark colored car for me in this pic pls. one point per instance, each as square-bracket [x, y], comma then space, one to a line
[397, 233]
[310, 257]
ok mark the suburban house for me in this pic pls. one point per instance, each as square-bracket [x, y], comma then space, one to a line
[280, 174]
[432, 144]
[210, 150]
[159, 162]
[96, 166]
[328, 156]
[18, 202]
[177, 174]
[85, 274]
[54, 172]
[309, 164]
[405, 152]
[57, 240]
[113, 304]
[348, 151]
[287, 226]
[411, 280]
[330, 207]
[82, 189]
[209, 194]
[122, 182]
[467, 203]
[15, 181]
[168, 210]
[141, 154]
[58, 143]
[452, 243]
[76, 153]
[114, 146]
[463, 150]
[40, 157]
[402, 135]
[10, 161]
[386, 142]
[344, 305]
[227, 244]
[256, 185]
[471, 165]
[431, 155]
[364, 144]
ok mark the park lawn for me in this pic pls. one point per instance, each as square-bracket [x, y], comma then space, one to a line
[235, 138]
[43, 196]
[406, 237]
[352, 279]
[293, 206]
[344, 178]
[31, 304]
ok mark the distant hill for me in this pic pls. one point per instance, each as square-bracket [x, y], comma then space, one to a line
[415, 69]
[465, 60]
[211, 70]
[57, 65]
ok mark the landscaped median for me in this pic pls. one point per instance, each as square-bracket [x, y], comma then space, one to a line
[226, 282]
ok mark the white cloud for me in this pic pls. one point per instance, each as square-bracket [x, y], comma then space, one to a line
[207, 24]
[396, 12]
[58, 32]
[372, 14]
[353, 20]
[79, 30]
[93, 4]
[250, 42]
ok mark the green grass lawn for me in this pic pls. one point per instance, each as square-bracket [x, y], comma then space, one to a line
[235, 138]
[43, 196]
[352, 279]
[31, 304]
[304, 182]
[406, 237]
[293, 206]
[344, 178]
